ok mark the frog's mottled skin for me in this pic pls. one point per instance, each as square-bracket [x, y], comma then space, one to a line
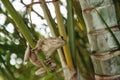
[48, 46]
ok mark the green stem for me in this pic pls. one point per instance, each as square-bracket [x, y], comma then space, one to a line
[63, 33]
[70, 28]
[51, 23]
[7, 71]
[19, 22]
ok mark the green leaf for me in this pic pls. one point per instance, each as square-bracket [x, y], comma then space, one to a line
[70, 28]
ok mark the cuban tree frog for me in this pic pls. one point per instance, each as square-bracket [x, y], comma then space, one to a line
[48, 46]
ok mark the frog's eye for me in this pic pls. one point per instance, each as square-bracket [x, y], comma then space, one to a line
[61, 37]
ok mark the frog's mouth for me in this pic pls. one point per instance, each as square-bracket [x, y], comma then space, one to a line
[62, 42]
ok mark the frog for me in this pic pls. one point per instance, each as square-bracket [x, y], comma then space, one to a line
[48, 46]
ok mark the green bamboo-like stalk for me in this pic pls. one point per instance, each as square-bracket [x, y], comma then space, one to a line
[19, 22]
[103, 35]
[84, 65]
[71, 28]
[61, 28]
[63, 33]
[21, 26]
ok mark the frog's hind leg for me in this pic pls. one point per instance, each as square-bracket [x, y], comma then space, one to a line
[40, 71]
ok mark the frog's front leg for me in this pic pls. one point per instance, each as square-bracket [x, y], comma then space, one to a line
[38, 46]
[27, 53]
[34, 60]
[32, 56]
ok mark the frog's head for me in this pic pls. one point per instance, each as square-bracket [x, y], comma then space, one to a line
[55, 42]
[61, 42]
[52, 44]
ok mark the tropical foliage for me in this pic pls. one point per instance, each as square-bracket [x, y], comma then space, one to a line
[74, 60]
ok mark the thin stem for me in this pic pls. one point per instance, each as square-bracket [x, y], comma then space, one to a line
[51, 23]
[63, 33]
[41, 2]
[111, 32]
